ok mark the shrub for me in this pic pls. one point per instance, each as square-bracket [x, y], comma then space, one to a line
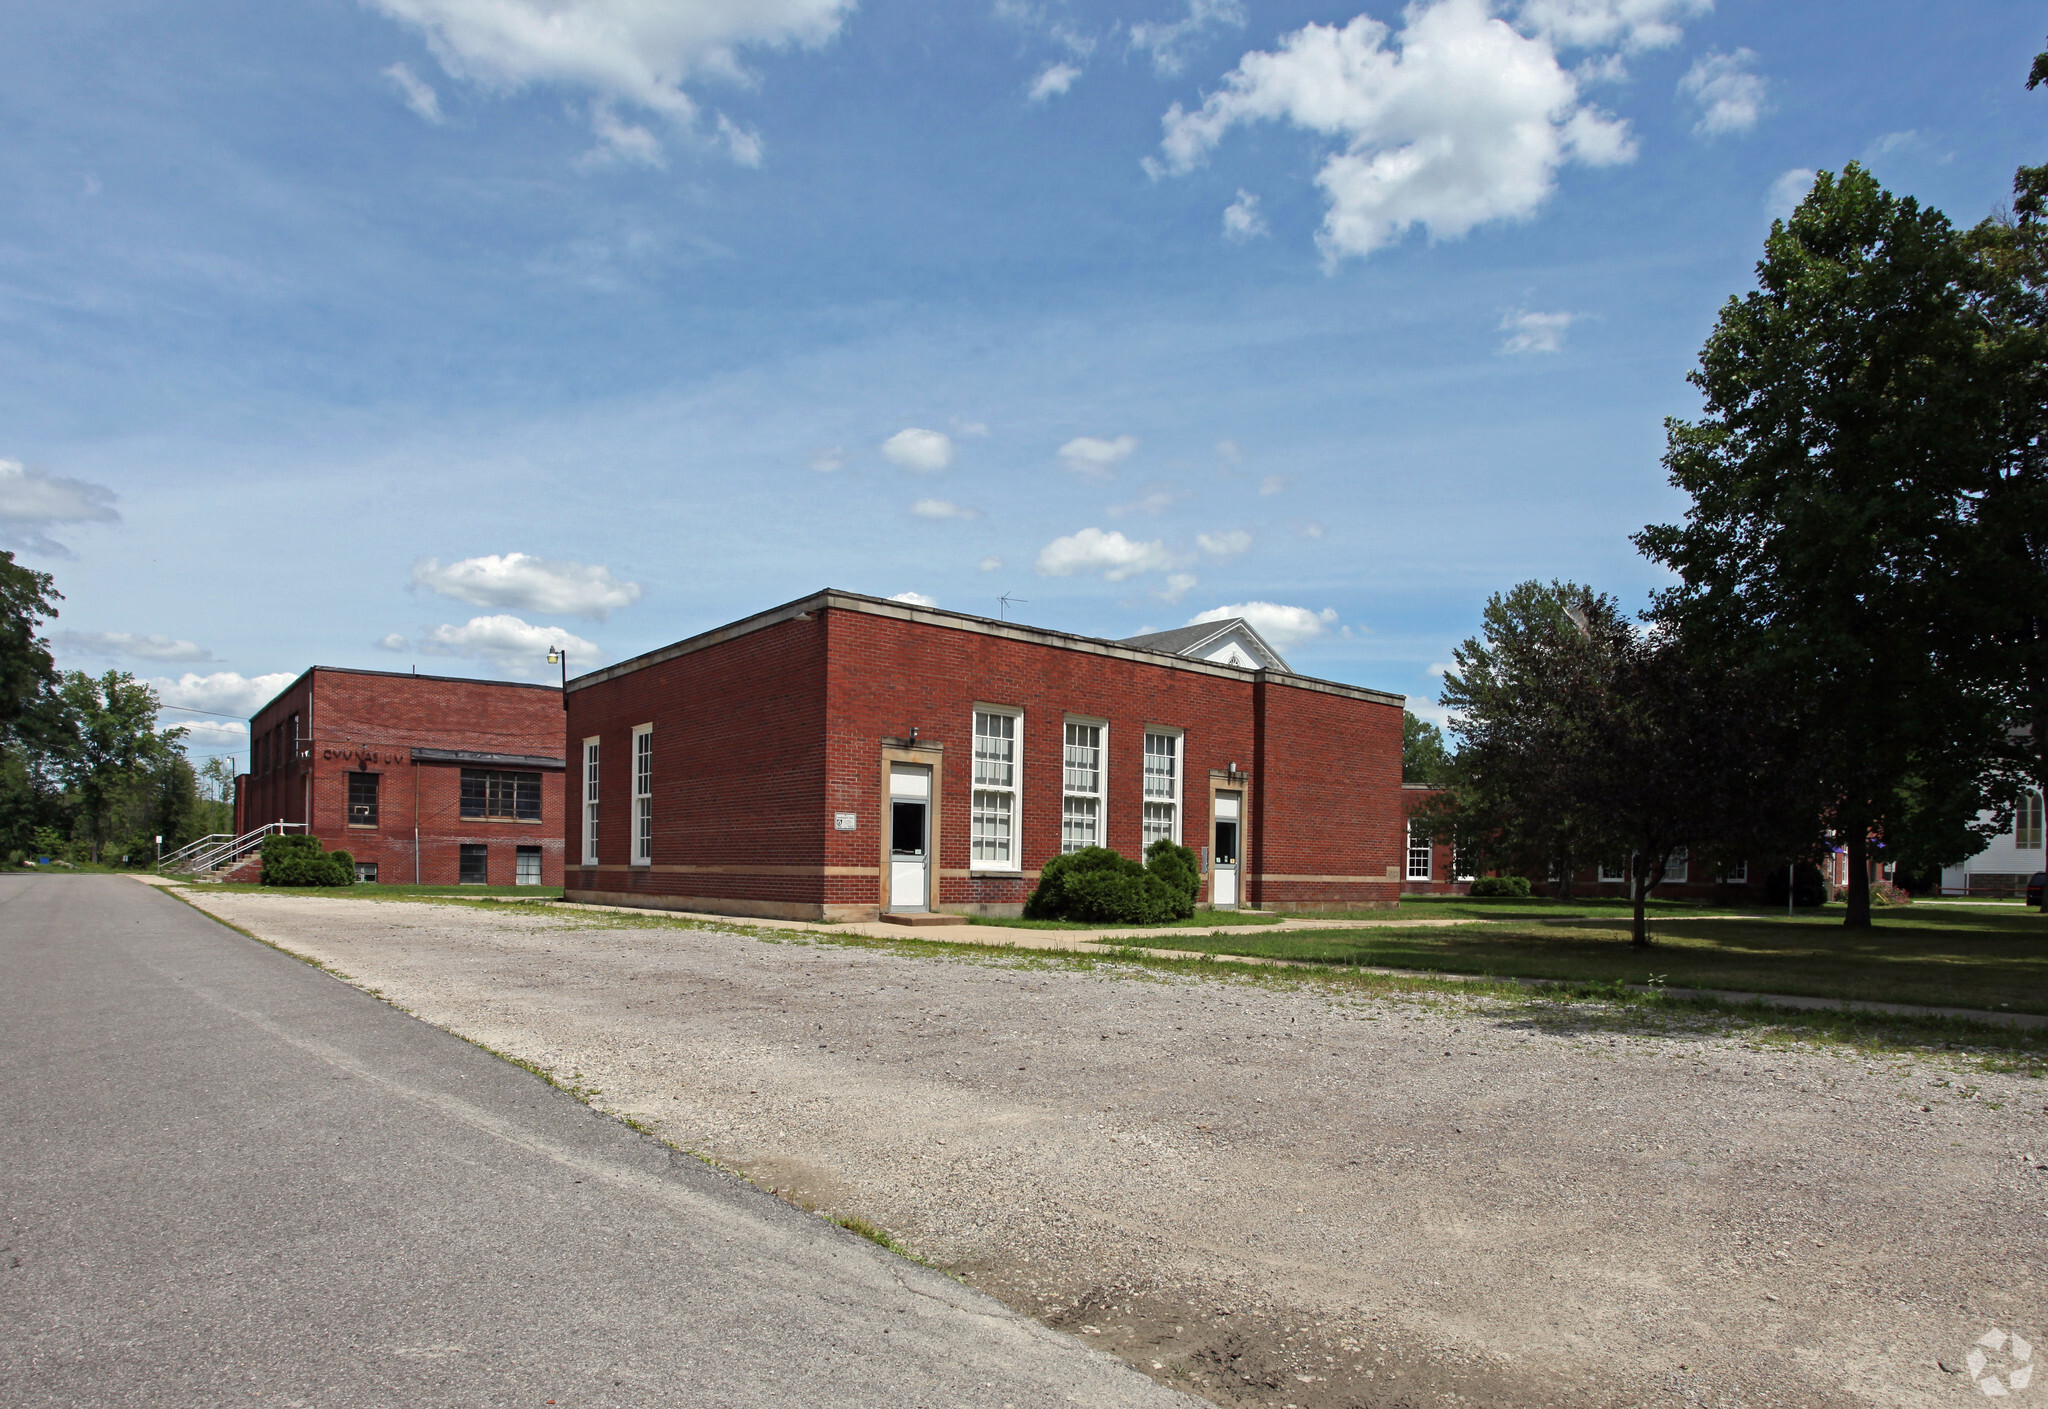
[1096, 885]
[1883, 894]
[1501, 887]
[299, 861]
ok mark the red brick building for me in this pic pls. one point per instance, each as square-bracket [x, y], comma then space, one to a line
[842, 756]
[424, 779]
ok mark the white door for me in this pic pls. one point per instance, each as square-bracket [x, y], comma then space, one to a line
[910, 810]
[1223, 876]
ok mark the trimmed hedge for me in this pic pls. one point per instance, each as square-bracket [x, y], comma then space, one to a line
[299, 861]
[1504, 887]
[1098, 886]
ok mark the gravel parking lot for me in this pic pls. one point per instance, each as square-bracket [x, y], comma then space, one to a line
[1269, 1189]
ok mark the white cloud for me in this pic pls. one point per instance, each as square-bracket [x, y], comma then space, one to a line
[392, 642]
[1157, 499]
[1055, 80]
[1168, 42]
[923, 451]
[1229, 452]
[1241, 219]
[973, 428]
[223, 692]
[1787, 192]
[1454, 122]
[742, 144]
[1224, 545]
[1729, 96]
[943, 509]
[506, 642]
[1111, 554]
[32, 502]
[620, 142]
[1089, 455]
[1178, 585]
[1283, 626]
[915, 599]
[1274, 484]
[1311, 529]
[990, 563]
[123, 643]
[418, 94]
[1602, 24]
[832, 457]
[1535, 332]
[636, 53]
[528, 583]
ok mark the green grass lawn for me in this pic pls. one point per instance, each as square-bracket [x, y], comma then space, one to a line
[372, 891]
[1948, 956]
[1536, 907]
[1203, 919]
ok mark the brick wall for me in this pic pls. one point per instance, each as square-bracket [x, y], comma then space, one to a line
[763, 735]
[367, 721]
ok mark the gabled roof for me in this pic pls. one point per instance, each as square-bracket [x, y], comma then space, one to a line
[1196, 640]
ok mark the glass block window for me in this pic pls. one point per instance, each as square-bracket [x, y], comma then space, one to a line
[643, 795]
[1421, 854]
[1081, 807]
[526, 866]
[362, 799]
[590, 756]
[993, 823]
[494, 794]
[475, 865]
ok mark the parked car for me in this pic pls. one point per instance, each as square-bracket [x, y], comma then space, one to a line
[2034, 889]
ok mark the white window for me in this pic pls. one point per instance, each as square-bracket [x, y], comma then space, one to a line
[1081, 806]
[1421, 853]
[2026, 824]
[590, 802]
[1737, 875]
[994, 821]
[1162, 787]
[1675, 870]
[1613, 870]
[643, 795]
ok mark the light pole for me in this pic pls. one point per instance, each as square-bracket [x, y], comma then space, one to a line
[559, 655]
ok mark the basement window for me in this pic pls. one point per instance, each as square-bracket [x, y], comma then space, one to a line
[476, 865]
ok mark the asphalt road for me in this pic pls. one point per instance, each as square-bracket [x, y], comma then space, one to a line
[229, 1179]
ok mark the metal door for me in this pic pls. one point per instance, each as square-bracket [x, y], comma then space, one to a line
[1223, 878]
[910, 796]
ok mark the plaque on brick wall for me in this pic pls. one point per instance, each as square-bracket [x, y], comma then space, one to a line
[843, 821]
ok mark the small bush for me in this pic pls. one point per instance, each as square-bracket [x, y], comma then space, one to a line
[1883, 894]
[1501, 887]
[299, 861]
[1096, 885]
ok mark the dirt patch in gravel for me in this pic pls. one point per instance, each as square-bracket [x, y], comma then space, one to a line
[1276, 1190]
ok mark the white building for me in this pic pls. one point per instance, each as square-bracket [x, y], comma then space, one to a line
[2004, 866]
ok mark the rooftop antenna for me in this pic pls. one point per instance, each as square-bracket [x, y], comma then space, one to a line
[1003, 604]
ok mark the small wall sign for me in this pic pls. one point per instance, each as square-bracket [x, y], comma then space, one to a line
[844, 821]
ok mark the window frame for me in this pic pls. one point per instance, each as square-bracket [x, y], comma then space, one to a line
[1681, 859]
[1070, 796]
[2027, 822]
[520, 854]
[496, 782]
[463, 850]
[642, 765]
[1613, 873]
[1013, 791]
[376, 781]
[1147, 800]
[593, 758]
[1427, 849]
[1736, 875]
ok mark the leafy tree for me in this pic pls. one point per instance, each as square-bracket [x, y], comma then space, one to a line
[1849, 412]
[2010, 511]
[110, 745]
[1424, 759]
[26, 668]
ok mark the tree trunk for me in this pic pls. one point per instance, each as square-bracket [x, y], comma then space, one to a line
[2039, 744]
[1639, 883]
[1858, 917]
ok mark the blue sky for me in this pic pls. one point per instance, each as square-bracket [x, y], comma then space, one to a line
[420, 332]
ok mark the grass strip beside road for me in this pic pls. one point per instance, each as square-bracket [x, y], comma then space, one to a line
[1995, 960]
[1204, 919]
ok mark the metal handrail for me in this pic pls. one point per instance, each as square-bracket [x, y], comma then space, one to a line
[228, 852]
[210, 839]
